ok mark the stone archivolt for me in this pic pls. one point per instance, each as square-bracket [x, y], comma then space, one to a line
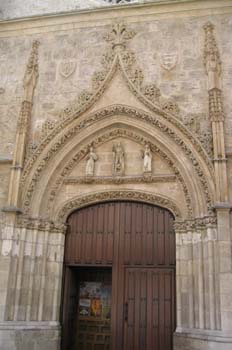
[117, 195]
[103, 114]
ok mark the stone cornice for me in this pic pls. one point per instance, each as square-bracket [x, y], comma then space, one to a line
[222, 206]
[77, 19]
[4, 160]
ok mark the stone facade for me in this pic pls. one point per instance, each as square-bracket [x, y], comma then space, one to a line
[14, 9]
[159, 77]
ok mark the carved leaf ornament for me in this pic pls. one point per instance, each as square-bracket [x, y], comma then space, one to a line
[120, 57]
[117, 195]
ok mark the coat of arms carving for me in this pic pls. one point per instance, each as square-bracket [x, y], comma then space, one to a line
[168, 61]
[67, 68]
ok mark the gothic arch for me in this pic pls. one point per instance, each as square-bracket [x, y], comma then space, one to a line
[158, 120]
[58, 154]
[118, 130]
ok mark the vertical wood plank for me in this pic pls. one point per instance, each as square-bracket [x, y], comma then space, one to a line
[143, 309]
[139, 239]
[100, 221]
[161, 238]
[149, 237]
[110, 233]
[127, 233]
[155, 236]
[138, 234]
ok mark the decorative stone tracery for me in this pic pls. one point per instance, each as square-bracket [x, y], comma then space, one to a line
[135, 114]
[212, 64]
[118, 57]
[117, 195]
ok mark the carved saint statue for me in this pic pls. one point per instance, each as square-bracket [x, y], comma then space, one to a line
[91, 159]
[213, 68]
[147, 159]
[118, 159]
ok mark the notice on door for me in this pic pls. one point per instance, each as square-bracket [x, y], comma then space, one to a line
[95, 300]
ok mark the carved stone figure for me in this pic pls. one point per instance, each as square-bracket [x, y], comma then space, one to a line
[118, 159]
[212, 58]
[91, 159]
[31, 74]
[147, 159]
[213, 68]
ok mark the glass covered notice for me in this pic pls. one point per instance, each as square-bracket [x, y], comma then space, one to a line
[95, 300]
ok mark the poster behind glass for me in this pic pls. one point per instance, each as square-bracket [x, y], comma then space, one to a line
[95, 300]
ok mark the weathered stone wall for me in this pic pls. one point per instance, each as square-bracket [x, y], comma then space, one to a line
[186, 82]
[84, 45]
[169, 57]
[12, 9]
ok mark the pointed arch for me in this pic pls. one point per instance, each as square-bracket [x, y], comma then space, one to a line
[82, 132]
[158, 122]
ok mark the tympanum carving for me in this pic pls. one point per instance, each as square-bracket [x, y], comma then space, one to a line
[106, 137]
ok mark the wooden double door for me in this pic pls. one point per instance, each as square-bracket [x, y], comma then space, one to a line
[119, 278]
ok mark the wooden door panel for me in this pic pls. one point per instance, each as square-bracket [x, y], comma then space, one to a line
[147, 235]
[149, 321]
[90, 239]
[138, 241]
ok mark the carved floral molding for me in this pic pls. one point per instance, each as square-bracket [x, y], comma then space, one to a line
[39, 224]
[117, 195]
[195, 225]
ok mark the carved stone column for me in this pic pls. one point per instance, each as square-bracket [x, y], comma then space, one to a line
[198, 291]
[216, 113]
[222, 205]
[30, 80]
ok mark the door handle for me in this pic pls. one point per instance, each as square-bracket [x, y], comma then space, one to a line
[126, 312]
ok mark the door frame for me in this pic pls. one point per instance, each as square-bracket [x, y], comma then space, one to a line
[117, 316]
